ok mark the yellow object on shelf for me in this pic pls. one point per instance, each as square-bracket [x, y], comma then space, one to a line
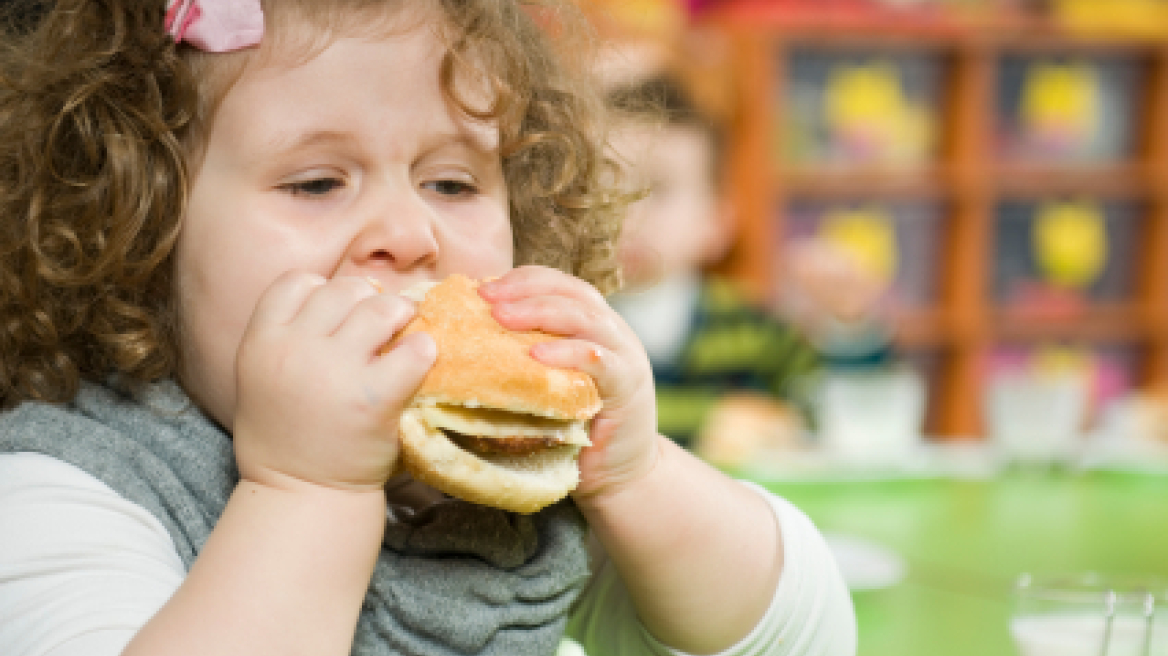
[1070, 243]
[1060, 102]
[1054, 360]
[867, 108]
[1130, 18]
[868, 235]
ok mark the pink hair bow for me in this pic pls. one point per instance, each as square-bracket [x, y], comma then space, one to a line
[215, 25]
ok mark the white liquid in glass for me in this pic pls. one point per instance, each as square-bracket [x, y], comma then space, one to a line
[1082, 635]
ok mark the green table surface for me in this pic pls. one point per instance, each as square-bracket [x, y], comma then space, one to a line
[966, 542]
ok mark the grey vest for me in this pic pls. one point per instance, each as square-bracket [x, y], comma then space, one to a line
[452, 577]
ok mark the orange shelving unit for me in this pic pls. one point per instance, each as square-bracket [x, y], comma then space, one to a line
[969, 176]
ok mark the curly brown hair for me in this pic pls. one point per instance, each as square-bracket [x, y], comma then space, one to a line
[103, 116]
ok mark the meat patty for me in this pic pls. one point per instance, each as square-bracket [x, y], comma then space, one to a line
[508, 446]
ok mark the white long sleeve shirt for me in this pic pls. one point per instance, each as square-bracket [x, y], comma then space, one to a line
[82, 569]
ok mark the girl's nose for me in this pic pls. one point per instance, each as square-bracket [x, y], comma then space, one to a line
[397, 235]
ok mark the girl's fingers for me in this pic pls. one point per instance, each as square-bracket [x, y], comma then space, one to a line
[397, 373]
[611, 373]
[375, 320]
[559, 315]
[595, 342]
[580, 355]
[284, 299]
[539, 281]
[328, 306]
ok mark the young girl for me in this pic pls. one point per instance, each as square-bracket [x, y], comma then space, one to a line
[199, 445]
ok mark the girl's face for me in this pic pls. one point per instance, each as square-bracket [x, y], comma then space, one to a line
[351, 163]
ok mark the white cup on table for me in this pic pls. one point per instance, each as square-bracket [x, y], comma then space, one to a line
[871, 417]
[1037, 418]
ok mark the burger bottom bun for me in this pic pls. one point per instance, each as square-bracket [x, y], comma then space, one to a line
[522, 484]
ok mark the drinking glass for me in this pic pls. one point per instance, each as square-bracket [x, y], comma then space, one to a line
[1090, 615]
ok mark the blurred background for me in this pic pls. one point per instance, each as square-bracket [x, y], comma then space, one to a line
[998, 170]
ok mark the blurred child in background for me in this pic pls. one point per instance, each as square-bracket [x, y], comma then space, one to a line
[707, 341]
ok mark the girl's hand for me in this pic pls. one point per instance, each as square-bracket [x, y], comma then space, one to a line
[316, 403]
[599, 343]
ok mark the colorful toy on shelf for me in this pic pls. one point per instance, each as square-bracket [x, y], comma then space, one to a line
[1069, 109]
[1057, 257]
[897, 241]
[870, 119]
[1070, 243]
[858, 109]
[868, 235]
[1060, 106]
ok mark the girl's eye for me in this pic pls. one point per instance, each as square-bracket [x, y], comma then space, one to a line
[315, 187]
[450, 187]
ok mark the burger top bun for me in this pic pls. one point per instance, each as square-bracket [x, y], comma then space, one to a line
[482, 364]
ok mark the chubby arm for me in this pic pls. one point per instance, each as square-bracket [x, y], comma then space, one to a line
[86, 569]
[700, 554]
[810, 615]
[288, 563]
[284, 572]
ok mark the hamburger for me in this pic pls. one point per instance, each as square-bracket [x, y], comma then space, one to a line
[490, 424]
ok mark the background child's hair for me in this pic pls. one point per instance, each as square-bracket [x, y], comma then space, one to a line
[102, 118]
[664, 99]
